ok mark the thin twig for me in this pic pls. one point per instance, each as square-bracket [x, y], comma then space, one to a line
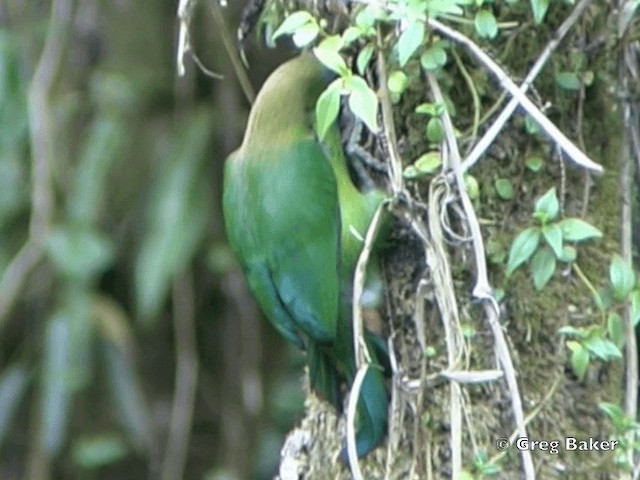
[490, 135]
[186, 378]
[627, 66]
[482, 289]
[573, 152]
[389, 129]
[42, 148]
[229, 46]
[351, 422]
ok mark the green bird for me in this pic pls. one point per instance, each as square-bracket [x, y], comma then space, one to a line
[295, 221]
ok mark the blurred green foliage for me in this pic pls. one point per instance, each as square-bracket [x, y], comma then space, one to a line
[87, 349]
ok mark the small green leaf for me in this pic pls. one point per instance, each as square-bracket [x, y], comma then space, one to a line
[327, 108]
[305, 35]
[571, 331]
[548, 206]
[433, 58]
[603, 349]
[98, 450]
[534, 163]
[539, 8]
[472, 188]
[293, 23]
[428, 163]
[363, 102]
[522, 248]
[553, 235]
[531, 126]
[568, 255]
[577, 230]
[622, 277]
[364, 57]
[579, 359]
[635, 307]
[327, 53]
[409, 41]
[79, 252]
[543, 265]
[437, 7]
[432, 109]
[486, 24]
[615, 329]
[504, 188]
[397, 82]
[411, 173]
[568, 81]
[435, 130]
[351, 34]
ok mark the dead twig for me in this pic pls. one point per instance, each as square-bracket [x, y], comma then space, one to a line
[186, 378]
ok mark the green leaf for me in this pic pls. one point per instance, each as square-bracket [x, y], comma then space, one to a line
[603, 349]
[486, 24]
[432, 109]
[433, 58]
[176, 215]
[615, 329]
[364, 57]
[437, 7]
[522, 248]
[577, 230]
[127, 394]
[504, 188]
[568, 81]
[294, 23]
[539, 8]
[531, 126]
[547, 207]
[410, 39]
[102, 147]
[13, 386]
[56, 395]
[622, 277]
[327, 53]
[543, 265]
[568, 255]
[571, 331]
[351, 34]
[79, 252]
[534, 163]
[91, 452]
[327, 108]
[495, 251]
[411, 173]
[428, 163]
[305, 35]
[472, 188]
[553, 235]
[635, 307]
[435, 130]
[363, 102]
[397, 82]
[579, 359]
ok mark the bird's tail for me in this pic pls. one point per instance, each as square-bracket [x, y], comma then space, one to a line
[373, 404]
[323, 376]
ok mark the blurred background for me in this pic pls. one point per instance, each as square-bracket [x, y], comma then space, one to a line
[129, 346]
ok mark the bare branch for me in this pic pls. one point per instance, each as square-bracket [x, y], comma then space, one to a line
[42, 148]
